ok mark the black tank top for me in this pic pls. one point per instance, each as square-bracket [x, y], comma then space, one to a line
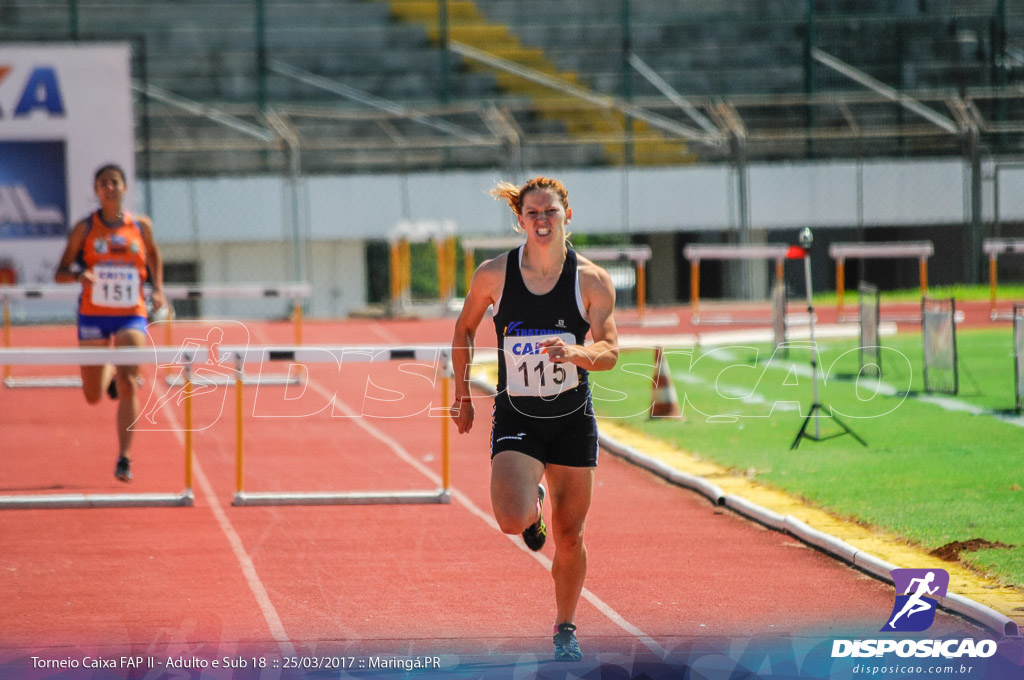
[524, 318]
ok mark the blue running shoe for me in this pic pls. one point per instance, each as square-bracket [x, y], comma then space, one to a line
[566, 647]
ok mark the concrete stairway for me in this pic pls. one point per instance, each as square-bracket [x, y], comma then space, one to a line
[583, 121]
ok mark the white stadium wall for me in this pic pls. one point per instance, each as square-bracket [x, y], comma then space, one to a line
[699, 198]
[59, 122]
[337, 274]
[248, 220]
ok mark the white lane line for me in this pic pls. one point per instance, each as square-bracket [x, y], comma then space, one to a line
[270, 614]
[385, 335]
[463, 500]
[886, 389]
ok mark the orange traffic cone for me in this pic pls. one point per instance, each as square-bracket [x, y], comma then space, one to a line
[665, 403]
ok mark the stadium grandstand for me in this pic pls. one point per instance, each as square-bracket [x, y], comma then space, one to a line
[323, 103]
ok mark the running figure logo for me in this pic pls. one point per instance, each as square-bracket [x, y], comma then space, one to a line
[915, 609]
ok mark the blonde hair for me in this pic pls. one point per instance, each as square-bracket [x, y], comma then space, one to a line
[513, 195]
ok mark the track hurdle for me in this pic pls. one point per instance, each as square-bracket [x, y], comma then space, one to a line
[637, 255]
[840, 252]
[401, 238]
[340, 355]
[471, 245]
[186, 358]
[69, 292]
[296, 292]
[994, 247]
[695, 252]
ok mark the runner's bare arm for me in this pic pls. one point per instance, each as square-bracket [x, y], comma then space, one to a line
[154, 260]
[599, 300]
[76, 239]
[483, 291]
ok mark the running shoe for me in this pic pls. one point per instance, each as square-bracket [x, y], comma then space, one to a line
[537, 533]
[566, 647]
[123, 471]
[112, 387]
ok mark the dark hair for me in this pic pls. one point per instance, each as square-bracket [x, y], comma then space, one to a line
[110, 166]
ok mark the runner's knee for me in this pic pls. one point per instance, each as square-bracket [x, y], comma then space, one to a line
[127, 386]
[514, 520]
[568, 534]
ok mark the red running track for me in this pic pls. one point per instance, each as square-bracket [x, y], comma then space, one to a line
[667, 569]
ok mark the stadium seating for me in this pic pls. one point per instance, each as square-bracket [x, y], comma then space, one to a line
[747, 51]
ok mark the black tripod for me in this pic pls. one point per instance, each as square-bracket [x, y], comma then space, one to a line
[817, 408]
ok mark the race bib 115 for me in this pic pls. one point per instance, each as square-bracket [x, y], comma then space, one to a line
[529, 372]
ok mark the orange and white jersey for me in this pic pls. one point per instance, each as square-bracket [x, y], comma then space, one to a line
[117, 258]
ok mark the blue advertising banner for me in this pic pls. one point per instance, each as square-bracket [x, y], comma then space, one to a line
[65, 110]
[33, 190]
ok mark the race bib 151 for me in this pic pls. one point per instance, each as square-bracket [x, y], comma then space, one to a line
[116, 286]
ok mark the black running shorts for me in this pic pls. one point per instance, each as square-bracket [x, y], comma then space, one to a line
[569, 440]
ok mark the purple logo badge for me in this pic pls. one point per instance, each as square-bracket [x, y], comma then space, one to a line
[917, 593]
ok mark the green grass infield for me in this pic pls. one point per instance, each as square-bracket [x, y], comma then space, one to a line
[937, 469]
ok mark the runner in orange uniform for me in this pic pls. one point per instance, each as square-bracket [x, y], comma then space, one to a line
[112, 254]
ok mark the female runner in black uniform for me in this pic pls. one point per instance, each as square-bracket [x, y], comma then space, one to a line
[545, 299]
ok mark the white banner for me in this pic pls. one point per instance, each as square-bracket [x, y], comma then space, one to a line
[65, 110]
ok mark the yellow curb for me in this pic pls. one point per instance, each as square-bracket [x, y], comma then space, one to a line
[1006, 600]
